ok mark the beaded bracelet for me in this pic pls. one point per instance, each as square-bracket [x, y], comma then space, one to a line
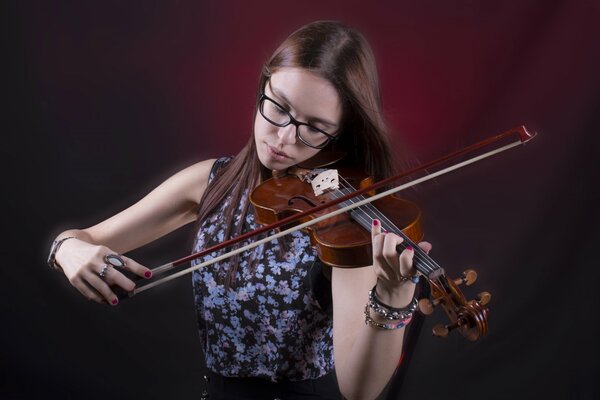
[391, 326]
[388, 312]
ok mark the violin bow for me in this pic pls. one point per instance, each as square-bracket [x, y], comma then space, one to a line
[524, 136]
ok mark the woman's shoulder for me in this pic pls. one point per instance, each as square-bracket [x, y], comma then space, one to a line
[191, 182]
[197, 176]
[199, 171]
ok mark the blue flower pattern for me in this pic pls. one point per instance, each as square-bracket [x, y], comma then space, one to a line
[268, 324]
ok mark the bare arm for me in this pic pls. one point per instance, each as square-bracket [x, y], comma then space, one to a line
[168, 207]
[366, 357]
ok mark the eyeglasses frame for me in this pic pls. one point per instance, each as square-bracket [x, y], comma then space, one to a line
[293, 121]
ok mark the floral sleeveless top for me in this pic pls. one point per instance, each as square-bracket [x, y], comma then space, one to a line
[269, 324]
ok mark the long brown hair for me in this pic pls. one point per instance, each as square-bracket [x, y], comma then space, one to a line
[342, 56]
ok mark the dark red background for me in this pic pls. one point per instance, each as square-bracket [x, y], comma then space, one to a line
[105, 100]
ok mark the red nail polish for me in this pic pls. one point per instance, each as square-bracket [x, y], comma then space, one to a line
[115, 301]
[148, 274]
[409, 248]
[375, 222]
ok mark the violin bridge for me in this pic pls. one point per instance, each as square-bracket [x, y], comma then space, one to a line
[324, 181]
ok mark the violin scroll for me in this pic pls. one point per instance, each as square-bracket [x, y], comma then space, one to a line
[469, 317]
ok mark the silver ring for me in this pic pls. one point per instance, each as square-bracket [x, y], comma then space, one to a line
[103, 271]
[115, 260]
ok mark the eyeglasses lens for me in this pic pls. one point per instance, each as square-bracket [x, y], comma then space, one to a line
[280, 117]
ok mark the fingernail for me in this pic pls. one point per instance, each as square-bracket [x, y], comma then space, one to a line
[384, 231]
[115, 302]
[148, 274]
[409, 248]
[375, 222]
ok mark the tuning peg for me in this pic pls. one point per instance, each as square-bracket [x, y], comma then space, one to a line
[442, 331]
[426, 306]
[468, 277]
[484, 298]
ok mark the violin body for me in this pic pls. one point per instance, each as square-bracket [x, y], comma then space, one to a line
[340, 241]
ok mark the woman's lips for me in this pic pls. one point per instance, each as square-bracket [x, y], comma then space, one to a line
[278, 155]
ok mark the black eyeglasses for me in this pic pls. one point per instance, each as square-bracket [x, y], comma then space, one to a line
[279, 116]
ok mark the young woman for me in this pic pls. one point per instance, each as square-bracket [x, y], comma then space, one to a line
[264, 316]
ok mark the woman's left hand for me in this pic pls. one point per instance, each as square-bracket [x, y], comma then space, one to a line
[390, 267]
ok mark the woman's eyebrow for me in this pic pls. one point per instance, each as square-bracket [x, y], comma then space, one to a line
[310, 119]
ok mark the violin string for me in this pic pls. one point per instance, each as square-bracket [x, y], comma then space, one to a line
[371, 208]
[425, 263]
[376, 213]
[371, 211]
[420, 254]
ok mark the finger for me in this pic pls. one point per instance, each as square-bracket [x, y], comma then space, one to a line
[114, 277]
[379, 263]
[87, 291]
[137, 268]
[425, 246]
[102, 287]
[375, 228]
[391, 254]
[406, 261]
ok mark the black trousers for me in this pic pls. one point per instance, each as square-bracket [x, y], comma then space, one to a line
[223, 388]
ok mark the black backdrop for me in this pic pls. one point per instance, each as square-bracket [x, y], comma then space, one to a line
[105, 100]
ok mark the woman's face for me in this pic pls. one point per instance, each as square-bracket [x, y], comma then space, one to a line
[308, 98]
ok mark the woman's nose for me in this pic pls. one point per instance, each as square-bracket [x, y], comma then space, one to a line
[287, 134]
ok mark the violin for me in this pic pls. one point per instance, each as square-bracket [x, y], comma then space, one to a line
[344, 240]
[339, 222]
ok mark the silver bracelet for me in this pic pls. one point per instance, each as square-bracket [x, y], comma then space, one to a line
[388, 312]
[52, 256]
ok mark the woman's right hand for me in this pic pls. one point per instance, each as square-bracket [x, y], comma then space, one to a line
[82, 263]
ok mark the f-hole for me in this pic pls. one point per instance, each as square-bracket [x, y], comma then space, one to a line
[301, 198]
